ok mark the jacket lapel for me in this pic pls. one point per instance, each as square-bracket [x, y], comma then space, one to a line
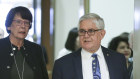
[78, 64]
[107, 54]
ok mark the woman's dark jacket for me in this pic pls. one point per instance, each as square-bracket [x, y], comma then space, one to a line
[33, 55]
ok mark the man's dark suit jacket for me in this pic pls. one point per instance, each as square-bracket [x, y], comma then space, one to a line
[33, 54]
[70, 66]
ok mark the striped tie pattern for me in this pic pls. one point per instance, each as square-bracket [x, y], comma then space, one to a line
[96, 67]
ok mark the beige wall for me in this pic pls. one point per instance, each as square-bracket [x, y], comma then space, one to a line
[137, 41]
[117, 14]
[66, 17]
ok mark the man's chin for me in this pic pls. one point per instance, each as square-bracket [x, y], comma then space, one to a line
[89, 49]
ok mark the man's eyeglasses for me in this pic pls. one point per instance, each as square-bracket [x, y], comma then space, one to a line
[90, 32]
[20, 22]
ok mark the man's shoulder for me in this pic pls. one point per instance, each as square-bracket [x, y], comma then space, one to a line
[66, 57]
[111, 52]
[69, 57]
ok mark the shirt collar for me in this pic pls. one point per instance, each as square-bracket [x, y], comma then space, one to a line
[87, 54]
[99, 52]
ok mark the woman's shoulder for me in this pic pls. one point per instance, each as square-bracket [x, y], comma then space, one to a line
[30, 44]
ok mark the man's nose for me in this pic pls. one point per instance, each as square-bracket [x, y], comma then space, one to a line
[86, 34]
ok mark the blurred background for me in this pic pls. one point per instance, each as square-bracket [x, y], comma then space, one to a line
[52, 20]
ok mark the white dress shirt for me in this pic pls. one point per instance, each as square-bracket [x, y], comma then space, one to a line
[63, 52]
[87, 64]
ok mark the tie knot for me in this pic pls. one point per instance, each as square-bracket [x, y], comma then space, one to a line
[94, 55]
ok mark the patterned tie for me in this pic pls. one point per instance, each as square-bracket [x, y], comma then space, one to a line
[95, 67]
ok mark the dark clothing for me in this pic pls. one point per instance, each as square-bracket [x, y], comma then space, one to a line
[33, 58]
[44, 51]
[22, 66]
[130, 68]
[70, 66]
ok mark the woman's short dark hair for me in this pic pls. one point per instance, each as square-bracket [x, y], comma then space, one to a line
[113, 44]
[22, 11]
[71, 39]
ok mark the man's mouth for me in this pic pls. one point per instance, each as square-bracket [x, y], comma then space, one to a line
[86, 41]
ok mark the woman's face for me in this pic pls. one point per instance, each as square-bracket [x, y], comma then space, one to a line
[19, 27]
[124, 49]
[77, 43]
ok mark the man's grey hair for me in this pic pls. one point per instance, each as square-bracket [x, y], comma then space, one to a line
[96, 19]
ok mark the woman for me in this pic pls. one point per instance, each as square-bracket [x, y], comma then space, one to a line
[72, 43]
[20, 58]
[121, 45]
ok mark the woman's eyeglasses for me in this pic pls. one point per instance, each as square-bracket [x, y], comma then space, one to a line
[20, 22]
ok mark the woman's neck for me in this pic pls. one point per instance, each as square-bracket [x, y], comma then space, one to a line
[17, 42]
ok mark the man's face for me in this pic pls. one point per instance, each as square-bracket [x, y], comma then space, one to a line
[90, 42]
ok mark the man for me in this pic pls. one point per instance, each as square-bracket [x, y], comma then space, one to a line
[78, 65]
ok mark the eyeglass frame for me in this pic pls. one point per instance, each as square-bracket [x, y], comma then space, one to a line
[20, 22]
[89, 32]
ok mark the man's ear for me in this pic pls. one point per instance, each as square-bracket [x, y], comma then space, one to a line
[103, 32]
